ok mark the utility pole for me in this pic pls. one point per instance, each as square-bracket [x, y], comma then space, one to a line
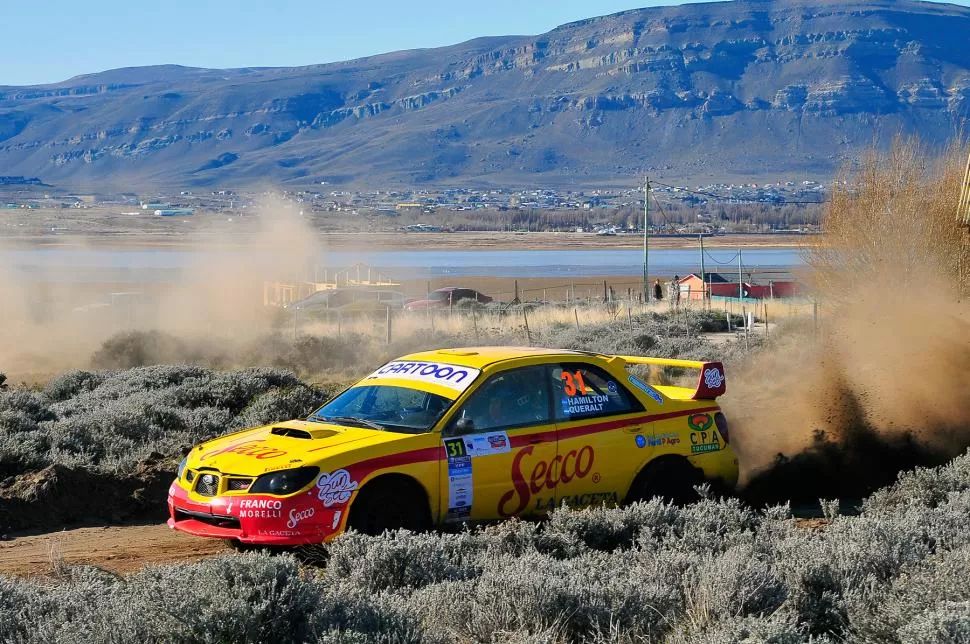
[963, 217]
[963, 208]
[646, 228]
[703, 276]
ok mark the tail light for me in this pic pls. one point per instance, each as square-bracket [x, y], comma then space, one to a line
[722, 427]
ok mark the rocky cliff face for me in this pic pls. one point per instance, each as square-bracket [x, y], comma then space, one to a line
[753, 88]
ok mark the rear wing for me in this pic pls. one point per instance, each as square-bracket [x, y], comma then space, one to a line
[710, 384]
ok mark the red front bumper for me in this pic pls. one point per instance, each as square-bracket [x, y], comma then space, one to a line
[256, 519]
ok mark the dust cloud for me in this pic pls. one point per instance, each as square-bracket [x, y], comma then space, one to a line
[881, 384]
[52, 322]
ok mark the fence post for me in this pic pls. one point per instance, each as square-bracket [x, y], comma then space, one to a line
[744, 316]
[528, 333]
[815, 316]
[766, 320]
[387, 330]
[576, 313]
[475, 323]
[629, 314]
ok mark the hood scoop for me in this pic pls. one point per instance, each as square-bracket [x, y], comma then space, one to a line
[293, 432]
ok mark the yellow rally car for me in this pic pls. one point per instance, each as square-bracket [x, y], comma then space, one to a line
[455, 435]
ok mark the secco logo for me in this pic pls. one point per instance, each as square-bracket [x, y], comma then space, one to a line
[561, 469]
[296, 517]
[252, 448]
[335, 487]
[444, 375]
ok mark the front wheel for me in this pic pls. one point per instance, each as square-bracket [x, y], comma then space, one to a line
[379, 508]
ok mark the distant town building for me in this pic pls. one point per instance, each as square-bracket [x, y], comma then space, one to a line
[725, 285]
[174, 212]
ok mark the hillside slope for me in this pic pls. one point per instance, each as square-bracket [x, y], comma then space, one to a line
[753, 88]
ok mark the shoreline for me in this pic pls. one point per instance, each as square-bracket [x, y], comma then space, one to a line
[416, 241]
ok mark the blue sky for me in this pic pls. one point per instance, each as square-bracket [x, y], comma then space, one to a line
[45, 41]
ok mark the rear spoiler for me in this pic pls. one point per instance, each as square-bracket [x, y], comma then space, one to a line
[710, 384]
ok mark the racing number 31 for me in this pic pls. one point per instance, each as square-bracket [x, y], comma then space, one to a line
[571, 380]
[456, 448]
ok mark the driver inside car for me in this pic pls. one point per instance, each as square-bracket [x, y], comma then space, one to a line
[508, 403]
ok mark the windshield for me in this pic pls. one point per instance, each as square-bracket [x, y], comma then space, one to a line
[394, 409]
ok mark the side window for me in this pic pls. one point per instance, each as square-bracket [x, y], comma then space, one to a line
[514, 398]
[585, 391]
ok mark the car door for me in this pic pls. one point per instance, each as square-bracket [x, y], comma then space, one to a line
[498, 448]
[599, 428]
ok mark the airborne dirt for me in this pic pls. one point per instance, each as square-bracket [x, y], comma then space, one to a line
[880, 385]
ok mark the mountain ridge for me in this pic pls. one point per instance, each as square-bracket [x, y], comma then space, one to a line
[751, 88]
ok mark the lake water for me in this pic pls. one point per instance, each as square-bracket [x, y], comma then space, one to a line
[160, 265]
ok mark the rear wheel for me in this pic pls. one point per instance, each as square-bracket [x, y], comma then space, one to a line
[389, 505]
[672, 479]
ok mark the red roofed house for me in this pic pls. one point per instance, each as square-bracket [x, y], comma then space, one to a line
[718, 285]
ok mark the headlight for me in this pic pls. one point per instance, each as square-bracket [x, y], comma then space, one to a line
[284, 481]
[178, 477]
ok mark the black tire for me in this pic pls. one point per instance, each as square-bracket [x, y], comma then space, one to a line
[672, 479]
[389, 505]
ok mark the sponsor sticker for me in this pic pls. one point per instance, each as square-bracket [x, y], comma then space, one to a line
[453, 377]
[584, 404]
[297, 516]
[704, 437]
[713, 377]
[576, 501]
[641, 441]
[252, 448]
[278, 533]
[700, 422]
[335, 488]
[460, 481]
[488, 443]
[562, 468]
[656, 440]
[647, 389]
[259, 509]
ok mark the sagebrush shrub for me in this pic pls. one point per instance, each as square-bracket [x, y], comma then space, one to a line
[110, 420]
[712, 572]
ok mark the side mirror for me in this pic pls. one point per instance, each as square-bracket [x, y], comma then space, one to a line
[464, 426]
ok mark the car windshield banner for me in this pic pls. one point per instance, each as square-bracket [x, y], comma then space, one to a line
[436, 373]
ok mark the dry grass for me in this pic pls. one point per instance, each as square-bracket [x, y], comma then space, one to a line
[487, 322]
[893, 224]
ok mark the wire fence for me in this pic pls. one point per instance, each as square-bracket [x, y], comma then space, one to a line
[531, 317]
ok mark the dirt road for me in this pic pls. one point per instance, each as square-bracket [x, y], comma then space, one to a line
[120, 549]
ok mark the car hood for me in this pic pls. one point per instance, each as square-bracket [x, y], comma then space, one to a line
[289, 444]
